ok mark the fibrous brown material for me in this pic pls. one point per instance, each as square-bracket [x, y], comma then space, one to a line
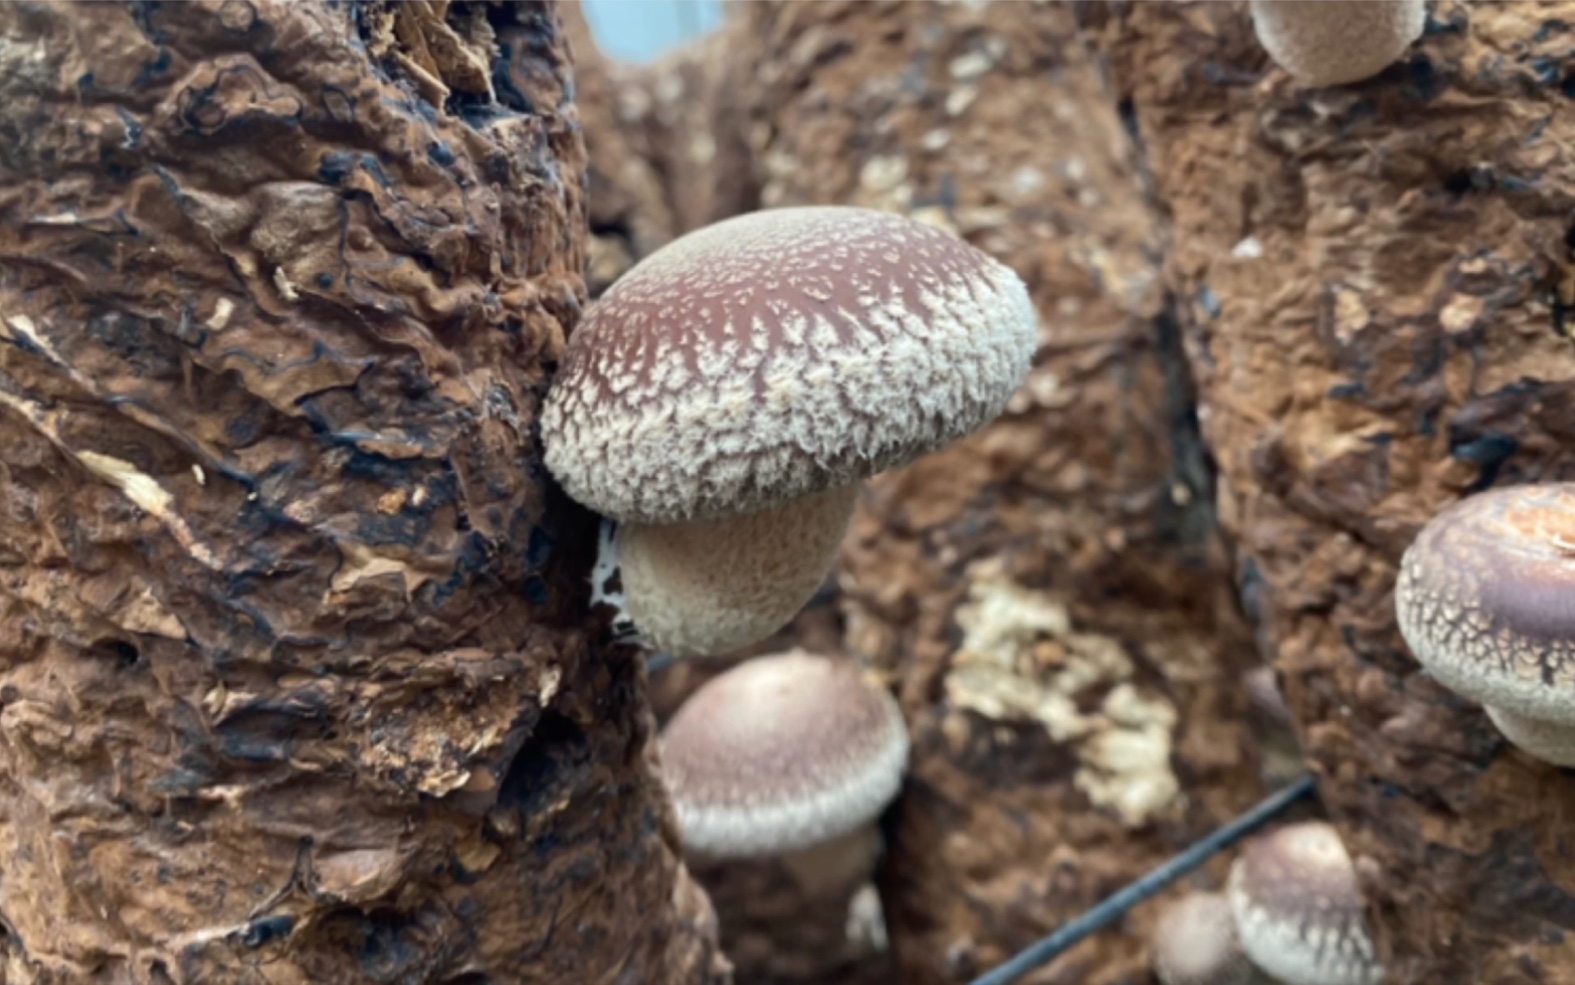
[1051, 592]
[293, 681]
[1377, 282]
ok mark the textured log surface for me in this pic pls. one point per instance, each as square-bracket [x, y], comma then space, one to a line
[1377, 280]
[294, 684]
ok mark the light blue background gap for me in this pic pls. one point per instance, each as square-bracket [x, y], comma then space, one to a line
[640, 30]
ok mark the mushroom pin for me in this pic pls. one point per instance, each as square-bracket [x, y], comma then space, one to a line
[725, 398]
[1484, 601]
[1195, 943]
[1298, 912]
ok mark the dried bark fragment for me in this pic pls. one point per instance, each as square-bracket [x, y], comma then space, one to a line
[1052, 593]
[294, 680]
[1377, 278]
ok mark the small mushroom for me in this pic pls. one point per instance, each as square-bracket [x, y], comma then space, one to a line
[724, 399]
[1483, 601]
[1280, 753]
[1298, 912]
[1195, 943]
[792, 756]
[1333, 42]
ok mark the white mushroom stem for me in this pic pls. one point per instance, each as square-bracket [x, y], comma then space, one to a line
[832, 869]
[1551, 742]
[708, 586]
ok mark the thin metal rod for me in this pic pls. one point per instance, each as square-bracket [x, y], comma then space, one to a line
[1112, 907]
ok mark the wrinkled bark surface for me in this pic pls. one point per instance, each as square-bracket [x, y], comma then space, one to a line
[1377, 282]
[1051, 594]
[296, 684]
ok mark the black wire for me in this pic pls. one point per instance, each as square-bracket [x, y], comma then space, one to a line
[1112, 907]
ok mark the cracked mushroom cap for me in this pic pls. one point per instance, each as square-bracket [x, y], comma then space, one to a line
[1195, 943]
[777, 354]
[1333, 42]
[1483, 599]
[782, 753]
[1298, 912]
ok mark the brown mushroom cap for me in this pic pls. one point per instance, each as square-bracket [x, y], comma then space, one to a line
[1485, 599]
[1195, 943]
[1332, 42]
[781, 753]
[780, 353]
[1298, 911]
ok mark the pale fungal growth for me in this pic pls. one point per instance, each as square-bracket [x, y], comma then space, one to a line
[1195, 943]
[725, 398]
[1298, 912]
[791, 756]
[1483, 601]
[1333, 42]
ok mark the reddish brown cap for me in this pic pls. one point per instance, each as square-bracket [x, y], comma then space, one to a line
[781, 753]
[777, 354]
[1298, 911]
[1485, 599]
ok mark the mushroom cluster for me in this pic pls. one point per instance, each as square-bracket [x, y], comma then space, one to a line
[722, 402]
[1334, 42]
[1483, 601]
[1291, 914]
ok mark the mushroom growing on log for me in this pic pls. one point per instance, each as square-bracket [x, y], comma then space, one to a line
[726, 397]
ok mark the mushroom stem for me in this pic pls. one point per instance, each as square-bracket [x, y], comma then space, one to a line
[707, 586]
[834, 868]
[1551, 742]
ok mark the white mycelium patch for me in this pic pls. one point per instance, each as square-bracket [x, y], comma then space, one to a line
[781, 753]
[779, 353]
[1482, 599]
[1298, 913]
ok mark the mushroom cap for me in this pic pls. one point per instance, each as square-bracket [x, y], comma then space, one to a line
[780, 353]
[1263, 693]
[1484, 599]
[1298, 911]
[1332, 42]
[1195, 943]
[781, 753]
